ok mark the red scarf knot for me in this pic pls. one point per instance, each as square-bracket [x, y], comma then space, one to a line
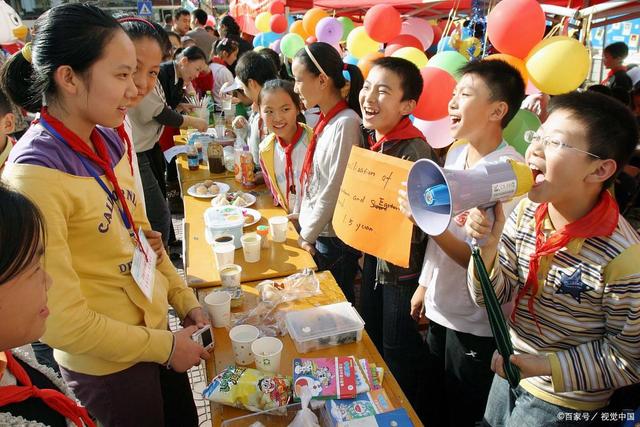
[602, 220]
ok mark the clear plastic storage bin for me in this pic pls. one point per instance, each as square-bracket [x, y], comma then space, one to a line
[325, 326]
[223, 220]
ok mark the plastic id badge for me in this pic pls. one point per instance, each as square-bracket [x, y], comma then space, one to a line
[143, 269]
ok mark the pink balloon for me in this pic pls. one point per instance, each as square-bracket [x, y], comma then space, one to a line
[531, 89]
[436, 132]
[211, 21]
[420, 29]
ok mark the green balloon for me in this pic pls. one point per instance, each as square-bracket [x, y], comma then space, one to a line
[347, 26]
[523, 121]
[449, 61]
[291, 44]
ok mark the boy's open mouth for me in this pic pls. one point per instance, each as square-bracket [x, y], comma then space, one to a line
[370, 112]
[455, 119]
[538, 174]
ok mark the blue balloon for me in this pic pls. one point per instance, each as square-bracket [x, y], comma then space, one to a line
[350, 60]
[433, 49]
[270, 37]
[258, 40]
[291, 19]
[445, 44]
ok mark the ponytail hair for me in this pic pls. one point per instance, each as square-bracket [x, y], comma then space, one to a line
[331, 63]
[73, 34]
[224, 45]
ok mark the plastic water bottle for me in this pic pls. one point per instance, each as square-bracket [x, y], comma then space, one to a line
[237, 150]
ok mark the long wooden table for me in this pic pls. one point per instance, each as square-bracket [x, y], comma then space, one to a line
[331, 293]
[281, 259]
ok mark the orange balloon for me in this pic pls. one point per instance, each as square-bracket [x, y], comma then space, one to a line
[298, 28]
[515, 62]
[366, 62]
[311, 19]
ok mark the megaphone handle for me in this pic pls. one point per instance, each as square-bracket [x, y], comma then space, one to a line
[491, 216]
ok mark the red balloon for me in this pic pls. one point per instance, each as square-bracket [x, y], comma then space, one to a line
[437, 35]
[436, 94]
[276, 8]
[311, 39]
[516, 26]
[382, 22]
[278, 24]
[403, 40]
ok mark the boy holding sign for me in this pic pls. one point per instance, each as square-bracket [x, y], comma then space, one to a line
[459, 340]
[388, 97]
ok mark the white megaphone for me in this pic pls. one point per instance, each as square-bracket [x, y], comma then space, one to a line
[436, 195]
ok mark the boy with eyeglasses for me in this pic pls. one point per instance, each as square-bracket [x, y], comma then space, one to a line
[569, 262]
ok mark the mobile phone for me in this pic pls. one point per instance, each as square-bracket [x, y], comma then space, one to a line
[204, 337]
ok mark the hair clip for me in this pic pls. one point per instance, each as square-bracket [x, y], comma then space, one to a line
[26, 52]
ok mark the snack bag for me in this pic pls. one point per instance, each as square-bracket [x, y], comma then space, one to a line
[249, 389]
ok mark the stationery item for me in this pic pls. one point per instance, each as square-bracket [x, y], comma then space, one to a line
[327, 378]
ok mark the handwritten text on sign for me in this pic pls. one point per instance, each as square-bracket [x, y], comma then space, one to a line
[367, 216]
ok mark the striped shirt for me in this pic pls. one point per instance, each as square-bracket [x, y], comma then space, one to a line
[587, 306]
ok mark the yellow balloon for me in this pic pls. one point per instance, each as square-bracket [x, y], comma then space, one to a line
[359, 43]
[558, 65]
[263, 22]
[413, 55]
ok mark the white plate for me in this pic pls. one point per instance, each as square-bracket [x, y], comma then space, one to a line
[251, 199]
[256, 215]
[221, 185]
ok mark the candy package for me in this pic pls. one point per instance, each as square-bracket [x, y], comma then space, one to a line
[249, 389]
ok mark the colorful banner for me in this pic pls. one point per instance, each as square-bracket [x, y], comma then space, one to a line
[367, 216]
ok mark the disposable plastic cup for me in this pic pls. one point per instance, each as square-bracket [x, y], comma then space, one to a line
[224, 239]
[203, 113]
[278, 226]
[267, 352]
[220, 131]
[224, 254]
[218, 306]
[242, 337]
[230, 275]
[251, 247]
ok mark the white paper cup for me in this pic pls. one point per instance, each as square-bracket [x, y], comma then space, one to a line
[224, 239]
[251, 247]
[224, 254]
[267, 352]
[278, 227]
[230, 275]
[218, 306]
[203, 113]
[241, 339]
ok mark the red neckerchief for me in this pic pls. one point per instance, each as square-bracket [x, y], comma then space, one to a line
[612, 72]
[403, 130]
[218, 60]
[317, 130]
[602, 220]
[52, 398]
[101, 159]
[288, 153]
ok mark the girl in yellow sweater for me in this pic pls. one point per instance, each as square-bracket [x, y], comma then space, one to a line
[108, 330]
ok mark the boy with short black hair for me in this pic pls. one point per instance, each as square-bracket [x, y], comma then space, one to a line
[7, 127]
[569, 262]
[389, 95]
[617, 78]
[459, 339]
[252, 72]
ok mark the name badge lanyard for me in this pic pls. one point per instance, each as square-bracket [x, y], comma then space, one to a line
[111, 194]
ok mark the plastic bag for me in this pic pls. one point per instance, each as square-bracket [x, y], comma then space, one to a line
[305, 416]
[297, 286]
[264, 316]
[249, 389]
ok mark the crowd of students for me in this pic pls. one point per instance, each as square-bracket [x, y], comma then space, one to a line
[86, 186]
